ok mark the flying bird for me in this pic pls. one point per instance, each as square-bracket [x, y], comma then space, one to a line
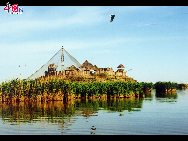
[112, 17]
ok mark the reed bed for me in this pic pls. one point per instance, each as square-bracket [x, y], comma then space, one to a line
[168, 86]
[58, 90]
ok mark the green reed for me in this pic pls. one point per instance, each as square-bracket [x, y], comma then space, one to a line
[56, 89]
[166, 86]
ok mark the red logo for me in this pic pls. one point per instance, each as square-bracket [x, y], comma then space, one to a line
[14, 9]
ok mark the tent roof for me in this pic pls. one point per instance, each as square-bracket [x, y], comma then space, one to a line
[120, 66]
[88, 65]
[71, 68]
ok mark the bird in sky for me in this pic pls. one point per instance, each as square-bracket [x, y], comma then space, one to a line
[112, 17]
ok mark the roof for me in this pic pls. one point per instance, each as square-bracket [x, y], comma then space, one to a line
[95, 67]
[52, 66]
[71, 68]
[120, 66]
[88, 66]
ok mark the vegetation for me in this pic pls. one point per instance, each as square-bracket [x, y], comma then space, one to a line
[59, 89]
[182, 86]
[168, 86]
[53, 90]
[147, 87]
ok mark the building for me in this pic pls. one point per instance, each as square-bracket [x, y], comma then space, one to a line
[72, 70]
[89, 69]
[88, 66]
[86, 69]
[52, 70]
[107, 70]
[120, 71]
[120, 68]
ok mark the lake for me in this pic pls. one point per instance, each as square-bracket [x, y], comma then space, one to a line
[155, 114]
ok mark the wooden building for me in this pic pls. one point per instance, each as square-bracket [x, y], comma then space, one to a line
[120, 68]
[72, 70]
[52, 70]
[88, 68]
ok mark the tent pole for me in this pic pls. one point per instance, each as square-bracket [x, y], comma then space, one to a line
[62, 59]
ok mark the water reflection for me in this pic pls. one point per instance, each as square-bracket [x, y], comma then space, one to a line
[166, 97]
[59, 112]
[118, 116]
[149, 96]
[32, 112]
[65, 114]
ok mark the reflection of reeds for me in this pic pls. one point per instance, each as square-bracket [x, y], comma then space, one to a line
[60, 112]
[33, 112]
[169, 95]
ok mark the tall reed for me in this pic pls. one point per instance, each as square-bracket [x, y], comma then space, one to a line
[58, 89]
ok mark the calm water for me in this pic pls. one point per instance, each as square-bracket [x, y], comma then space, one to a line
[155, 114]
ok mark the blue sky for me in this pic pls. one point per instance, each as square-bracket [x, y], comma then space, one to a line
[152, 41]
